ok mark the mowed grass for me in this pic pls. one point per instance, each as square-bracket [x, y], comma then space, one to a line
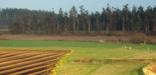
[92, 50]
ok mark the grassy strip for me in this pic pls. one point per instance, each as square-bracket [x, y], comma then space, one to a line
[60, 63]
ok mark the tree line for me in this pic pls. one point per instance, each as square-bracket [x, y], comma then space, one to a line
[24, 21]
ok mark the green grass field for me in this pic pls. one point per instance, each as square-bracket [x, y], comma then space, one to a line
[93, 51]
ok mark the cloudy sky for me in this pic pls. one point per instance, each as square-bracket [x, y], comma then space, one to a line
[91, 5]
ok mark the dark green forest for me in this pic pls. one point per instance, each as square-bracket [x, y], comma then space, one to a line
[79, 20]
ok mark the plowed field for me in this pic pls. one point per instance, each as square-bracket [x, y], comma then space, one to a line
[28, 62]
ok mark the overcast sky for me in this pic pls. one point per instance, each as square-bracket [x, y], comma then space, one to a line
[91, 5]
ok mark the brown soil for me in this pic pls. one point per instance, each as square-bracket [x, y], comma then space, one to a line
[153, 69]
[28, 62]
[138, 38]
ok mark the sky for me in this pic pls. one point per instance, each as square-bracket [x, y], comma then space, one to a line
[91, 5]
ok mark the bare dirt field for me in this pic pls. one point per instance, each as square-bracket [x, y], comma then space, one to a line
[150, 70]
[153, 69]
[137, 38]
[28, 62]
